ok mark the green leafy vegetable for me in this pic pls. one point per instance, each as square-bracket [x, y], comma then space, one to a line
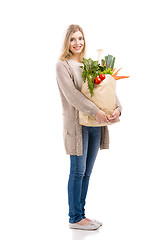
[92, 69]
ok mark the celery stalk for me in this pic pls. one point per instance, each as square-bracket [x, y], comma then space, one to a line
[113, 61]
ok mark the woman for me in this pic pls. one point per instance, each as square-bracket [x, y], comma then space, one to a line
[81, 143]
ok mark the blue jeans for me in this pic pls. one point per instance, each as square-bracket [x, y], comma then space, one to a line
[80, 171]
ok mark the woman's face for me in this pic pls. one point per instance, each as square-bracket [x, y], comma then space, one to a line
[76, 43]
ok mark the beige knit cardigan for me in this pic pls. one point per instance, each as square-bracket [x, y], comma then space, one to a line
[74, 101]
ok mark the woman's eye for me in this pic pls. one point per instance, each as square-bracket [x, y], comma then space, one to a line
[81, 38]
[72, 39]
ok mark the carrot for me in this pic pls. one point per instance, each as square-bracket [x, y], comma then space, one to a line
[119, 77]
[115, 74]
[104, 64]
[113, 69]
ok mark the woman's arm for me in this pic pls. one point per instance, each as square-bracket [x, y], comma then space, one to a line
[73, 95]
[118, 105]
[117, 111]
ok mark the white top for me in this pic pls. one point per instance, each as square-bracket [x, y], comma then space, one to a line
[77, 71]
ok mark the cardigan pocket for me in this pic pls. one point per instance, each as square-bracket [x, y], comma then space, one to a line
[70, 141]
[70, 131]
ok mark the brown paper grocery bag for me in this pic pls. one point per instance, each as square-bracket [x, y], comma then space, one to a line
[104, 97]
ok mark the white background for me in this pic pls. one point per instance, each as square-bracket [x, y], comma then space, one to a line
[124, 187]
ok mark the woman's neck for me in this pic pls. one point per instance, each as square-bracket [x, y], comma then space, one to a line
[77, 58]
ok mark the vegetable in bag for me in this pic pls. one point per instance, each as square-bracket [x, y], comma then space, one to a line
[100, 87]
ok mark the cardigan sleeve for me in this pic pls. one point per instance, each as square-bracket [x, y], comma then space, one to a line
[71, 93]
[118, 105]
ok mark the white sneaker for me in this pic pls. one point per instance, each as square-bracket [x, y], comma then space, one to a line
[89, 227]
[97, 222]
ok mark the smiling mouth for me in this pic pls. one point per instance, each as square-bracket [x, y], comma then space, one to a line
[77, 47]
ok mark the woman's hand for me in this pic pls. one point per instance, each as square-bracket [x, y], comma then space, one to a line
[114, 117]
[101, 117]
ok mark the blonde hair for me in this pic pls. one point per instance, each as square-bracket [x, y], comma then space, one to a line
[66, 53]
